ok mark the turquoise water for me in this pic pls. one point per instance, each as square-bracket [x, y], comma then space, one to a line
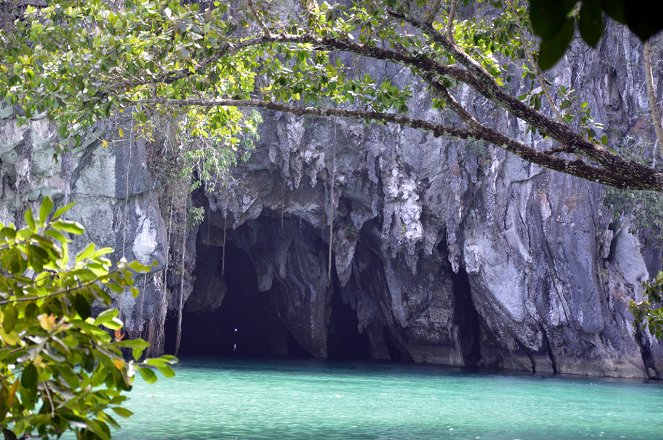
[302, 400]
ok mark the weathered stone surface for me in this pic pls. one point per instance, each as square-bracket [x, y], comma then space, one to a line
[93, 177]
[549, 279]
[447, 252]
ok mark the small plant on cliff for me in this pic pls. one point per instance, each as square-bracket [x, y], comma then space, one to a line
[62, 368]
[649, 311]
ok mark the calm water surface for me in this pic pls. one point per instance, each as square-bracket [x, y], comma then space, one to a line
[310, 399]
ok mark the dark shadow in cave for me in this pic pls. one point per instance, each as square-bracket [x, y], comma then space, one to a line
[466, 316]
[395, 354]
[344, 342]
[246, 325]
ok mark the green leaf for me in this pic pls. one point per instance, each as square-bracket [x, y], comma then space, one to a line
[29, 220]
[101, 252]
[137, 266]
[614, 9]
[642, 18]
[553, 49]
[122, 412]
[82, 306]
[11, 316]
[548, 17]
[7, 233]
[100, 429]
[58, 213]
[166, 370]
[169, 358]
[106, 316]
[29, 377]
[68, 226]
[45, 209]
[57, 236]
[147, 374]
[114, 324]
[137, 346]
[85, 253]
[69, 376]
[591, 22]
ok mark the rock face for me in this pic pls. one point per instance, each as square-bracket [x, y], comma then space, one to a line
[113, 191]
[451, 252]
[445, 252]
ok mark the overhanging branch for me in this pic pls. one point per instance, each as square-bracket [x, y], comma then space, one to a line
[546, 159]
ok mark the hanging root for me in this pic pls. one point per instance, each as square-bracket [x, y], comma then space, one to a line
[331, 208]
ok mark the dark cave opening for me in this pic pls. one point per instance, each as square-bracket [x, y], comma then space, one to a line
[395, 354]
[245, 325]
[344, 341]
[466, 318]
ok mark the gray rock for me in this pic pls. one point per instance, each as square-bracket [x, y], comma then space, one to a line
[447, 252]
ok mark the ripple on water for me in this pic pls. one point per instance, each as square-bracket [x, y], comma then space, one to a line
[304, 399]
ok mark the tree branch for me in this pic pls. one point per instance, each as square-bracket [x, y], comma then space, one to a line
[452, 16]
[58, 292]
[575, 167]
[482, 82]
[625, 173]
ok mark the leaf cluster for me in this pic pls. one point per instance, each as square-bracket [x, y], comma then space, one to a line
[648, 313]
[84, 61]
[556, 21]
[61, 367]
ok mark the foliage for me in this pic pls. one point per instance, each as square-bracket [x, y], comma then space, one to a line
[556, 21]
[646, 207]
[649, 311]
[200, 65]
[61, 367]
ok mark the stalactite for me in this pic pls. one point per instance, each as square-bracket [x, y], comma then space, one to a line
[156, 330]
[141, 309]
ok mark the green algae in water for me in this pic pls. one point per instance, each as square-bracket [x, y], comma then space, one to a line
[302, 399]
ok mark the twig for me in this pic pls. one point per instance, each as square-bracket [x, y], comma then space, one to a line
[56, 293]
[450, 23]
[256, 14]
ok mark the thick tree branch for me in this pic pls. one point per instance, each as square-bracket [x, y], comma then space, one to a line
[420, 62]
[436, 129]
[574, 167]
[483, 83]
[651, 93]
[626, 173]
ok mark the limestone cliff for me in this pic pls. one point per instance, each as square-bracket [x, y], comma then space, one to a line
[447, 252]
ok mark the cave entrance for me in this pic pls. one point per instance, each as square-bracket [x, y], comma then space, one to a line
[467, 318]
[246, 324]
[344, 342]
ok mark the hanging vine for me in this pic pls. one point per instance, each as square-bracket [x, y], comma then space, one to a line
[331, 205]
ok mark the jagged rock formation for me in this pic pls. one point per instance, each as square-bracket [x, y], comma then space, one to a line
[446, 252]
[113, 191]
[546, 278]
